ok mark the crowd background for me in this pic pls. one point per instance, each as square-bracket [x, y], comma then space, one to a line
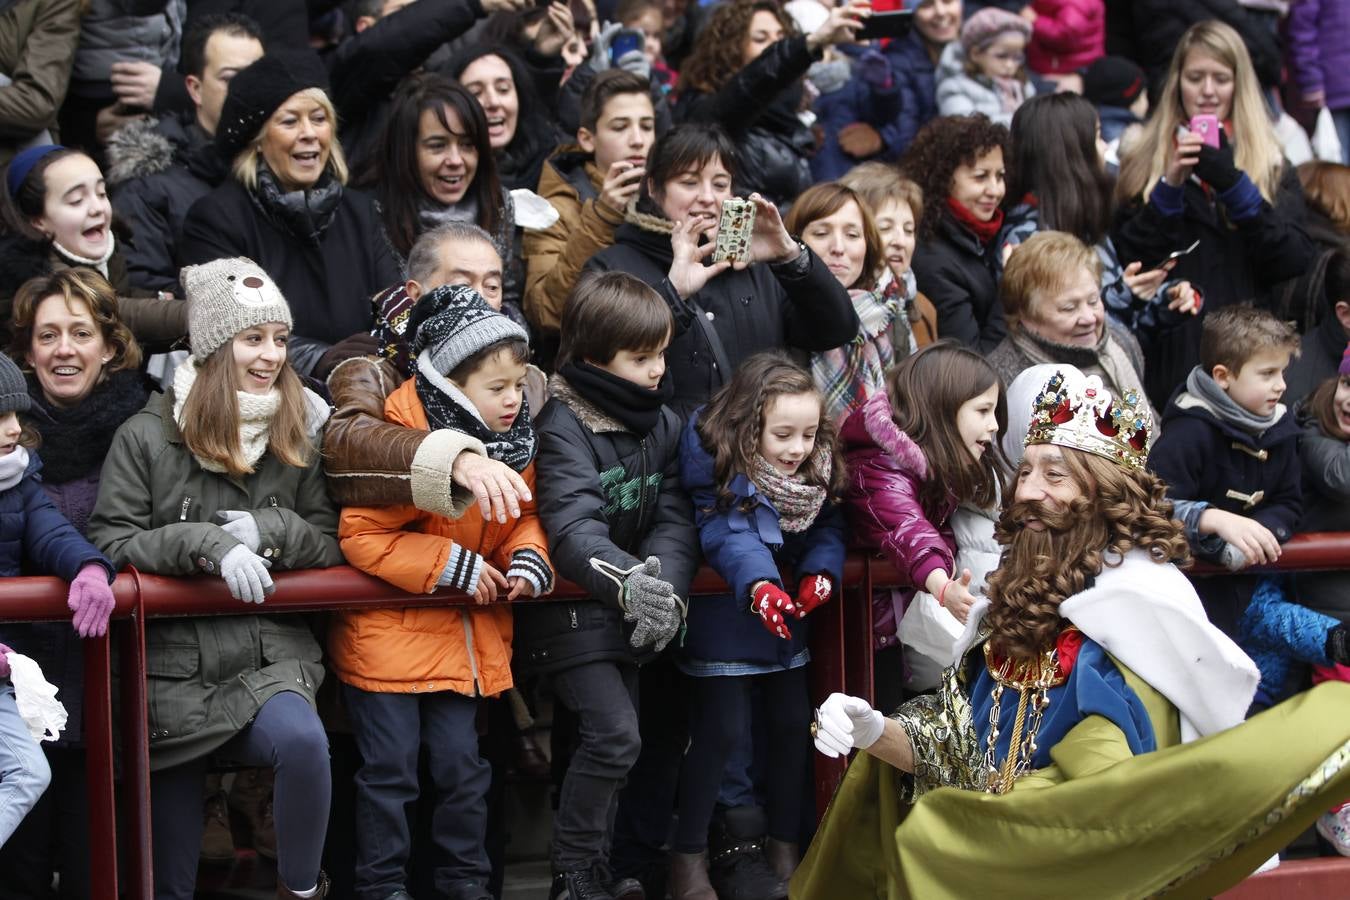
[410, 184]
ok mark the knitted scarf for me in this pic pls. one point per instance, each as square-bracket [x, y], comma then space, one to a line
[1201, 385]
[797, 502]
[637, 408]
[306, 214]
[447, 407]
[255, 416]
[77, 438]
[847, 375]
[12, 466]
[433, 215]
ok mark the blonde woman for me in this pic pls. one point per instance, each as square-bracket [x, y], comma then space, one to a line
[1240, 201]
[288, 209]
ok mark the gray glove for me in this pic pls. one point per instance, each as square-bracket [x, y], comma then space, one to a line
[242, 526]
[651, 603]
[634, 61]
[245, 572]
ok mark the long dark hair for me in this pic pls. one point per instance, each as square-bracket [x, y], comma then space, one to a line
[684, 147]
[730, 425]
[392, 171]
[942, 146]
[926, 390]
[1054, 158]
[535, 132]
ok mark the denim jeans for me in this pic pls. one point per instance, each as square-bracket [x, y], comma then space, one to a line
[24, 774]
[390, 730]
[286, 736]
[604, 697]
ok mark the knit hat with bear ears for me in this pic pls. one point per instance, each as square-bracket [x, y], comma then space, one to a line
[226, 296]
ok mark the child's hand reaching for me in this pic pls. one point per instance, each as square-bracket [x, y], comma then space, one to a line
[490, 581]
[773, 606]
[1248, 536]
[520, 587]
[813, 591]
[955, 596]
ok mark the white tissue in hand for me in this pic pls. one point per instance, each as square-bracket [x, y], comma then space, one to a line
[533, 211]
[36, 698]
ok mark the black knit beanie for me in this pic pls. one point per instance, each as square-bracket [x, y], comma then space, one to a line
[257, 91]
[1113, 81]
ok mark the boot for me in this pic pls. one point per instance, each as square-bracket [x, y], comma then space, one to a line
[782, 856]
[251, 810]
[738, 869]
[619, 888]
[689, 877]
[217, 842]
[284, 893]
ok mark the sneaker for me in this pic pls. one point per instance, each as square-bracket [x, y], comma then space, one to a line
[579, 884]
[1335, 827]
[217, 841]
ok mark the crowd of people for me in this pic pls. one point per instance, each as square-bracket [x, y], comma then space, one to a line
[1042, 301]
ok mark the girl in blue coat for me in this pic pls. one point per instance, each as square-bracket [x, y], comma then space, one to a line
[765, 474]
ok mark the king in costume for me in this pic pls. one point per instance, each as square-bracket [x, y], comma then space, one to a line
[1088, 741]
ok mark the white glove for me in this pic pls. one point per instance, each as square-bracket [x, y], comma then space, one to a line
[245, 572]
[242, 526]
[844, 722]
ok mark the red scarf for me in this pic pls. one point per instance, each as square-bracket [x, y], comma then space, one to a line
[985, 231]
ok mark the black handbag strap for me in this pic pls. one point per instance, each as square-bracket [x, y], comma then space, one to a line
[721, 362]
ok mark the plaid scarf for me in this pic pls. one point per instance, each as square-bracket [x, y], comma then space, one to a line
[797, 502]
[848, 375]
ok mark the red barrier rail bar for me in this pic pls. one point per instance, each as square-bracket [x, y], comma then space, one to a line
[841, 649]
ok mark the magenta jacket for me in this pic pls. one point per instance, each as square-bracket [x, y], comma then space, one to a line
[1067, 35]
[885, 471]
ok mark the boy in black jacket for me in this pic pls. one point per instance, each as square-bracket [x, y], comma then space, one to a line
[1229, 453]
[619, 525]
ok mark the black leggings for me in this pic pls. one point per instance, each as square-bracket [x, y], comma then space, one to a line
[719, 716]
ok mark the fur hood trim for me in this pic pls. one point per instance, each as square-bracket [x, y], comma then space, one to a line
[137, 150]
[647, 221]
[590, 415]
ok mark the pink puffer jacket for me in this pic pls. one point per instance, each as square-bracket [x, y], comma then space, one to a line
[1068, 35]
[885, 472]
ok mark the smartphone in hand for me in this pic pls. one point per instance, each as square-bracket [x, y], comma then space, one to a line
[1207, 126]
[734, 231]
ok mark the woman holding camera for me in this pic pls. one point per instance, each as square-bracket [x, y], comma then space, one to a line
[1236, 195]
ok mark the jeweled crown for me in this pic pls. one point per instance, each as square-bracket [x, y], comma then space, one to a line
[1077, 410]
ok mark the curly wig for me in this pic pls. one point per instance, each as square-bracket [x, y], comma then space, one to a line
[720, 51]
[939, 148]
[1118, 511]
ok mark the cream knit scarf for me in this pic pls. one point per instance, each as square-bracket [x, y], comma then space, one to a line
[255, 416]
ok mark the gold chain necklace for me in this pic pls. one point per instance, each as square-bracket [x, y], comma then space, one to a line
[1032, 679]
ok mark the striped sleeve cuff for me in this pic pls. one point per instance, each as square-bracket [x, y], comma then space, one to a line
[533, 568]
[462, 569]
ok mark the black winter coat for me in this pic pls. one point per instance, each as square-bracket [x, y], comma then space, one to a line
[156, 171]
[604, 493]
[960, 275]
[1203, 457]
[1238, 262]
[328, 284]
[758, 108]
[1326, 476]
[761, 307]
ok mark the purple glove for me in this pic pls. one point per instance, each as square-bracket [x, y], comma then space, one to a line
[5, 650]
[91, 600]
[874, 69]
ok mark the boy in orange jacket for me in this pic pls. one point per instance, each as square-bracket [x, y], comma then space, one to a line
[414, 676]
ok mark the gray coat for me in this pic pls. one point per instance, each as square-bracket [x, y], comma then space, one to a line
[208, 677]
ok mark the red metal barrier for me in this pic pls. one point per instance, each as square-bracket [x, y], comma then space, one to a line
[841, 647]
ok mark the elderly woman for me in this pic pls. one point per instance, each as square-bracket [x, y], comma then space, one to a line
[1053, 304]
[84, 382]
[288, 209]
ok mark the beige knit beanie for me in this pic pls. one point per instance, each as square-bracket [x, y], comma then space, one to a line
[226, 296]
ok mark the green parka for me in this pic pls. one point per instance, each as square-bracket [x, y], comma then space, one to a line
[208, 677]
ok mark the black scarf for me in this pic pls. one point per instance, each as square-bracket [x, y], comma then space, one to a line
[447, 407]
[75, 440]
[306, 214]
[636, 407]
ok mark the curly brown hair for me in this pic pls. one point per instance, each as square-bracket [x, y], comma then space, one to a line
[730, 425]
[939, 148]
[720, 51]
[1120, 509]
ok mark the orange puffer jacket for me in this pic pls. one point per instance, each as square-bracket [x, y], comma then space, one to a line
[466, 649]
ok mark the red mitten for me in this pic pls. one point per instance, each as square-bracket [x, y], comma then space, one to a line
[773, 607]
[813, 591]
